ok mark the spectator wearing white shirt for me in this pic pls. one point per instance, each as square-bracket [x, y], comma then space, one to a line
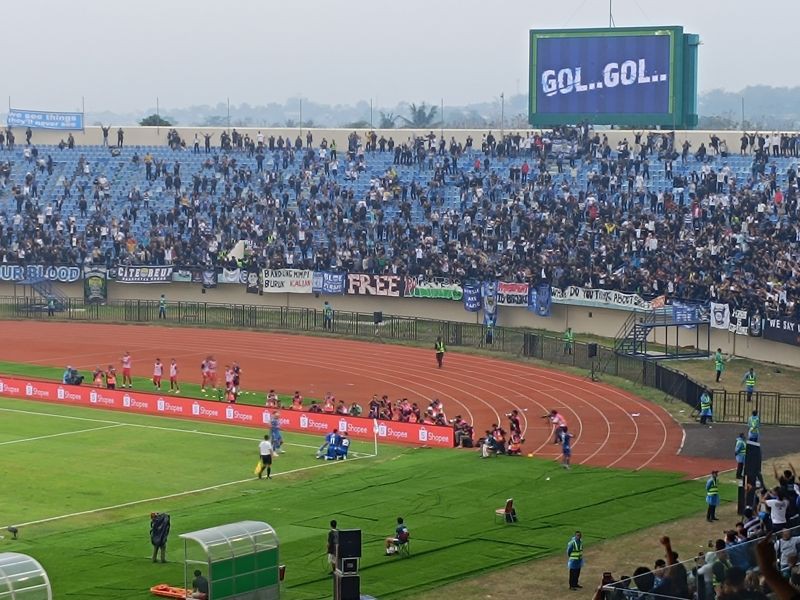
[786, 550]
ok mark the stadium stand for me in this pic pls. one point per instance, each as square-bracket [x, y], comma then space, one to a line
[695, 223]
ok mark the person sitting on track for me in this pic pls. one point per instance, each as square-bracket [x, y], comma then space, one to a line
[515, 444]
[488, 446]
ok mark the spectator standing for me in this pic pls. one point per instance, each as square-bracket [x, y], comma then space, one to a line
[739, 453]
[440, 349]
[575, 560]
[159, 532]
[786, 548]
[333, 543]
[120, 137]
[712, 497]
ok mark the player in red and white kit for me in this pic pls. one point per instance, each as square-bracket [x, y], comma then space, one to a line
[204, 374]
[173, 377]
[212, 371]
[559, 424]
[158, 372]
[127, 364]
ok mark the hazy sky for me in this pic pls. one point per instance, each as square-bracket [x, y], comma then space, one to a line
[121, 55]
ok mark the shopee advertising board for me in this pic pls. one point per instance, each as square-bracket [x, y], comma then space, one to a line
[205, 410]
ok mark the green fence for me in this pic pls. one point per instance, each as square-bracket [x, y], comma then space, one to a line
[781, 409]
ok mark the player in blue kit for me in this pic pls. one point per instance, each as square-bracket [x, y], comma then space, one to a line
[566, 448]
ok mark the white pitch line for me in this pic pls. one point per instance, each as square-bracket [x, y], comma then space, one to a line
[54, 435]
[186, 493]
[156, 427]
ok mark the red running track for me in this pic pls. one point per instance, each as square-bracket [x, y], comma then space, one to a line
[612, 428]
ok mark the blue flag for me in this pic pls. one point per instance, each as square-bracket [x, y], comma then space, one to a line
[489, 293]
[472, 296]
[544, 299]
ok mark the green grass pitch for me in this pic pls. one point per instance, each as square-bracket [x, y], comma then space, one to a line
[109, 470]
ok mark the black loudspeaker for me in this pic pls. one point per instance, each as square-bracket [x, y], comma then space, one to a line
[592, 349]
[377, 317]
[349, 544]
[752, 472]
[347, 587]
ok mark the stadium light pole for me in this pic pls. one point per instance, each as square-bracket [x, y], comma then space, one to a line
[610, 15]
[441, 115]
[370, 113]
[502, 112]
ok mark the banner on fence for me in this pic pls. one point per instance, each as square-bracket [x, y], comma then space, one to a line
[182, 276]
[253, 282]
[27, 272]
[599, 298]
[95, 285]
[232, 276]
[782, 330]
[292, 281]
[472, 296]
[205, 410]
[740, 323]
[720, 316]
[544, 299]
[684, 314]
[363, 284]
[444, 288]
[209, 279]
[489, 295]
[145, 274]
[755, 327]
[512, 294]
[328, 282]
[39, 119]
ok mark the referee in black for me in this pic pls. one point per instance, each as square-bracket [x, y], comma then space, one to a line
[265, 450]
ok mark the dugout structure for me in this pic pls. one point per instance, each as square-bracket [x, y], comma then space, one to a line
[240, 560]
[23, 578]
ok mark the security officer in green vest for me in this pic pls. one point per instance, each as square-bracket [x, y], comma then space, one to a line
[440, 350]
[753, 426]
[162, 307]
[739, 453]
[712, 497]
[575, 560]
[705, 408]
[569, 340]
[749, 381]
[327, 316]
[719, 363]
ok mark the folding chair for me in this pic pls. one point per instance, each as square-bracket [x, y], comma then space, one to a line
[507, 513]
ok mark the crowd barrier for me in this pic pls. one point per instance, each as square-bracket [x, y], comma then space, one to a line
[500, 340]
[218, 412]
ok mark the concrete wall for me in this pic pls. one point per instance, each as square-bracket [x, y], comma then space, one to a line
[587, 320]
[153, 136]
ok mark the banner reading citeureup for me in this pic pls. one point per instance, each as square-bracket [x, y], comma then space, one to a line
[292, 281]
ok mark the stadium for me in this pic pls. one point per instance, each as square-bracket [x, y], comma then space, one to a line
[551, 361]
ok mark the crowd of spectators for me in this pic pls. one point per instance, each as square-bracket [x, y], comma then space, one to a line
[756, 557]
[644, 216]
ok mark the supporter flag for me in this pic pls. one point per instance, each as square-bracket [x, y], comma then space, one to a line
[544, 299]
[253, 282]
[95, 285]
[209, 279]
[739, 322]
[658, 302]
[472, 296]
[489, 294]
[720, 315]
[755, 326]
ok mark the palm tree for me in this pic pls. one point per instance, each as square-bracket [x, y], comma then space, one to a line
[422, 116]
[388, 120]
